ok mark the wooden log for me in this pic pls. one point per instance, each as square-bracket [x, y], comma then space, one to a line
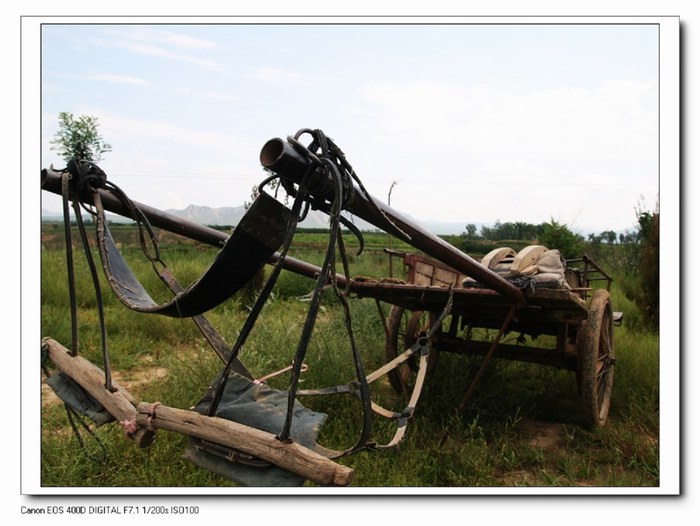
[290, 456]
[120, 403]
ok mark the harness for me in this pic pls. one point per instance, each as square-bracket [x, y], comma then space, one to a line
[267, 226]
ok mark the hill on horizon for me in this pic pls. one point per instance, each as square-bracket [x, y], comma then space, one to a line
[231, 215]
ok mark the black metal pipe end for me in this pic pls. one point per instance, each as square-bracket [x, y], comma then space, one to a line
[282, 158]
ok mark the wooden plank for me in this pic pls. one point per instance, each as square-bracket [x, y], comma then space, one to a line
[287, 455]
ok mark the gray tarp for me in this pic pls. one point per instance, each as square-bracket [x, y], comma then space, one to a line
[258, 406]
[78, 399]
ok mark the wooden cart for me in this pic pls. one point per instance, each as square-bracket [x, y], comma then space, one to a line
[578, 317]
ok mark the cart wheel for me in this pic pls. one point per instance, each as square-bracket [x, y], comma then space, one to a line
[596, 359]
[404, 328]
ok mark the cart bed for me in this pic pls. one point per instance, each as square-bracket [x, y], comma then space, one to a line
[478, 305]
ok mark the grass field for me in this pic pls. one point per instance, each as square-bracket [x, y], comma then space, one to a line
[523, 428]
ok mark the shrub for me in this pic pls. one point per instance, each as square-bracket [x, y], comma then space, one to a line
[643, 287]
[557, 236]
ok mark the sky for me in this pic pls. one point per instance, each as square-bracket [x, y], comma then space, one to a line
[470, 123]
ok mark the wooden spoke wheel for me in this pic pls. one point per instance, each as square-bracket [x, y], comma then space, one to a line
[596, 359]
[404, 328]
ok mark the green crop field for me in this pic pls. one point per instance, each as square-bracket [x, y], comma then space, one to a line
[523, 427]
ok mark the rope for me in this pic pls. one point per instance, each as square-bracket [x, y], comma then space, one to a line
[130, 427]
[277, 373]
[152, 415]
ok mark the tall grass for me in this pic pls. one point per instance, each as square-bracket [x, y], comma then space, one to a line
[489, 444]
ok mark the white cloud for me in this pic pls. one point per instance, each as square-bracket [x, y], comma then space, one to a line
[120, 79]
[168, 38]
[162, 44]
[213, 95]
[181, 41]
[160, 52]
[277, 76]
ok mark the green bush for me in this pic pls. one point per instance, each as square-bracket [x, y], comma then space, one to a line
[557, 236]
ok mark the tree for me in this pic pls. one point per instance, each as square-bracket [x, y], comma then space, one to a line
[79, 138]
[609, 236]
[471, 231]
[557, 236]
[643, 287]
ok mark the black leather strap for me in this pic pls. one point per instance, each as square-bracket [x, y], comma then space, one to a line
[252, 244]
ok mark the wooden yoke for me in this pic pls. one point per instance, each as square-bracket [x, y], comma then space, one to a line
[288, 455]
[142, 419]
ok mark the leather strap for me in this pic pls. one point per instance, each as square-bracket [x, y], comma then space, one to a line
[253, 242]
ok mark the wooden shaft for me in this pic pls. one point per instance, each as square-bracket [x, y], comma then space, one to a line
[290, 456]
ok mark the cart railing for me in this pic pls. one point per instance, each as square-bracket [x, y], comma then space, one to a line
[426, 271]
[582, 271]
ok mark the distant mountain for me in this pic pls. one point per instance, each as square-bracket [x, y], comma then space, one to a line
[204, 215]
[231, 215]
[50, 215]
[53, 216]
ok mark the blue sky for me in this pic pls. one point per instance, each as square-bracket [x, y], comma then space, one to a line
[475, 123]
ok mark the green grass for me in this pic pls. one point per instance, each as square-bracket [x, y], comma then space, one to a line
[488, 445]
